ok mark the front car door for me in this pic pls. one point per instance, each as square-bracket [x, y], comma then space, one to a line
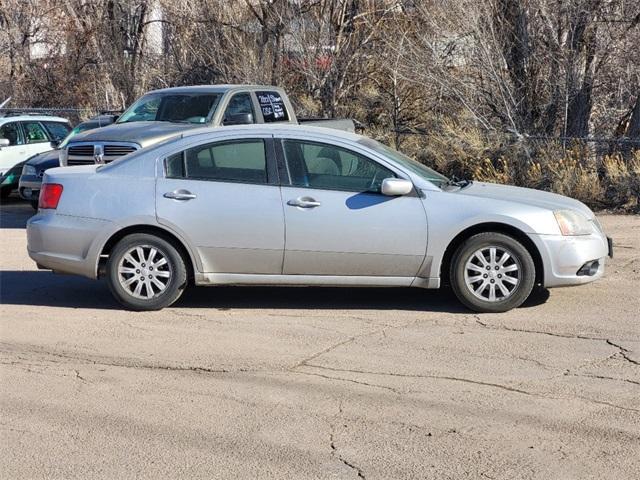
[338, 222]
[224, 196]
[16, 151]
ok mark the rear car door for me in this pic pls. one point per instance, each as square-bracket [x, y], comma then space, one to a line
[224, 197]
[16, 151]
[36, 138]
[337, 220]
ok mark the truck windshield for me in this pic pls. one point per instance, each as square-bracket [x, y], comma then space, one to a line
[172, 107]
[410, 164]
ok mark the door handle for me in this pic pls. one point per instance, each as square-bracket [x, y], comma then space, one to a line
[304, 202]
[180, 195]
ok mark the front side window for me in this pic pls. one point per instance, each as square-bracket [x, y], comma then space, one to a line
[243, 161]
[172, 107]
[11, 132]
[239, 111]
[329, 167]
[57, 130]
[34, 132]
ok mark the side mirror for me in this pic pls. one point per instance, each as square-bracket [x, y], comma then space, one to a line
[238, 119]
[55, 143]
[394, 187]
[4, 142]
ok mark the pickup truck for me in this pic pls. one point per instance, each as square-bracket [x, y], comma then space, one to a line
[162, 114]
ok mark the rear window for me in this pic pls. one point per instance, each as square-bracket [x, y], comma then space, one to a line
[236, 161]
[57, 130]
[272, 107]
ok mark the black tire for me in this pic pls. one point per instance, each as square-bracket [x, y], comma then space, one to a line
[175, 266]
[518, 268]
[5, 192]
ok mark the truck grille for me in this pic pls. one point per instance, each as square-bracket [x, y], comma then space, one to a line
[80, 161]
[81, 150]
[117, 150]
[89, 153]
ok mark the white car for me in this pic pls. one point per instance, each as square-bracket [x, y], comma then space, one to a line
[23, 136]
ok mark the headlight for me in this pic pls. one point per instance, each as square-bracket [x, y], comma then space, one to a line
[29, 170]
[573, 223]
[64, 154]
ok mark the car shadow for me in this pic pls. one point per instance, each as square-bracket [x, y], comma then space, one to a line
[44, 288]
[14, 212]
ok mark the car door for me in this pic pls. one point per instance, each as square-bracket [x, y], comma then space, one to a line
[16, 151]
[224, 197]
[337, 220]
[36, 138]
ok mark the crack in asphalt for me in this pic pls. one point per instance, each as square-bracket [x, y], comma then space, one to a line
[334, 450]
[394, 390]
[417, 375]
[624, 352]
[601, 377]
[134, 364]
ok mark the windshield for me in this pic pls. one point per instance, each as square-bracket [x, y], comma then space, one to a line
[80, 128]
[410, 164]
[172, 107]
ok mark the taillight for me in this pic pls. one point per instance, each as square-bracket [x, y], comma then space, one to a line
[50, 194]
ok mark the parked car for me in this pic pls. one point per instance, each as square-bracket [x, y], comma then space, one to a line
[21, 137]
[33, 169]
[285, 205]
[161, 114]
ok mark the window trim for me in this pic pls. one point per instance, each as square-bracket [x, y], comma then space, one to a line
[20, 137]
[285, 173]
[270, 162]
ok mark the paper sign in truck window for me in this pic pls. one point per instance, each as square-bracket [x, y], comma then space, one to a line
[272, 106]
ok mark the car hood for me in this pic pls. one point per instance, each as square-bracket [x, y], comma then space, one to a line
[47, 159]
[142, 133]
[526, 196]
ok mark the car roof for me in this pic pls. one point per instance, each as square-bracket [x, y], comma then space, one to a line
[37, 118]
[223, 88]
[271, 129]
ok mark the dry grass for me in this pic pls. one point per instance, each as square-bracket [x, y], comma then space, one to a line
[602, 181]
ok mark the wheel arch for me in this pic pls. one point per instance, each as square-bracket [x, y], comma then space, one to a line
[170, 237]
[497, 227]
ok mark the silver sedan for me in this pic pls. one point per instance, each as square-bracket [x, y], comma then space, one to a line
[287, 205]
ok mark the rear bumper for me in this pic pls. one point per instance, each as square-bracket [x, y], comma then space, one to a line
[564, 257]
[62, 243]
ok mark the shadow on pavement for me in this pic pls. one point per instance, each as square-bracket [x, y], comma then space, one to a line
[14, 212]
[43, 288]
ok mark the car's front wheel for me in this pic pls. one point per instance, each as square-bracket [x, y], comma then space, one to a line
[145, 272]
[492, 272]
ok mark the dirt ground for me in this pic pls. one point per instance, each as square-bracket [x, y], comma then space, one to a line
[317, 383]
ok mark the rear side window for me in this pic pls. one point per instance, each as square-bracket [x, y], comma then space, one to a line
[272, 107]
[57, 131]
[11, 131]
[243, 161]
[34, 132]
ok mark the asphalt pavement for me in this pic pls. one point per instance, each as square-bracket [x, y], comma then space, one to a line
[315, 383]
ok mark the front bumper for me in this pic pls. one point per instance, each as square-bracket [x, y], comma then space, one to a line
[563, 257]
[30, 187]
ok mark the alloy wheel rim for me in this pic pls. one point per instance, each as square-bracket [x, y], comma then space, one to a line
[492, 273]
[144, 272]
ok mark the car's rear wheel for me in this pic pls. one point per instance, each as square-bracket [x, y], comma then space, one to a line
[145, 272]
[492, 272]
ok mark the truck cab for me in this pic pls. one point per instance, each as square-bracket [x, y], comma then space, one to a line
[161, 114]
